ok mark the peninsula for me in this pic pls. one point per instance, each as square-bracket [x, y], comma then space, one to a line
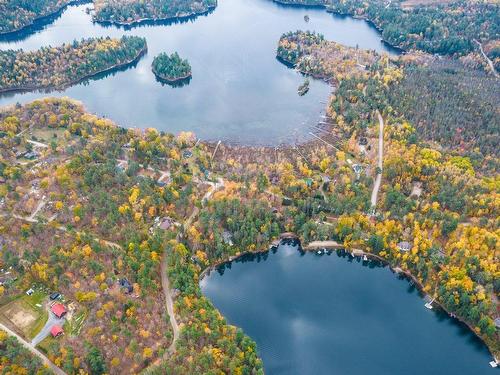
[68, 64]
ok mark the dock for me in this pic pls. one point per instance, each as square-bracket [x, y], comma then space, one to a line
[317, 245]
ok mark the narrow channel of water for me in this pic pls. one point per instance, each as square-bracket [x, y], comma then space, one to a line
[329, 314]
[239, 91]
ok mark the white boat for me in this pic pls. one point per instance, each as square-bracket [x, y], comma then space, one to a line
[365, 258]
[494, 364]
[428, 305]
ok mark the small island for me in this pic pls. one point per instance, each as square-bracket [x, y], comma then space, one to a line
[171, 69]
[68, 64]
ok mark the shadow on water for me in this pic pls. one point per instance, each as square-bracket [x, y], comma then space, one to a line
[39, 24]
[177, 83]
[162, 22]
[83, 82]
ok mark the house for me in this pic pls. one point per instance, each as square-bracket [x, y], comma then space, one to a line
[56, 331]
[404, 246]
[497, 322]
[227, 237]
[166, 223]
[59, 310]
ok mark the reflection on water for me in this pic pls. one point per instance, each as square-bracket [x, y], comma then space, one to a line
[333, 314]
[239, 91]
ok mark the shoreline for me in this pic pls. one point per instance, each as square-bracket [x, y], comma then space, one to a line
[66, 85]
[354, 253]
[54, 13]
[152, 21]
[169, 80]
[371, 23]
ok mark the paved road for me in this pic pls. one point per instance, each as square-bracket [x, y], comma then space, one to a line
[33, 350]
[378, 181]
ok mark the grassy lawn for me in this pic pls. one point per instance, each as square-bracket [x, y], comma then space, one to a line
[47, 343]
[45, 135]
[35, 299]
[24, 314]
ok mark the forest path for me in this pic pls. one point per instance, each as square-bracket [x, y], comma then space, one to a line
[490, 63]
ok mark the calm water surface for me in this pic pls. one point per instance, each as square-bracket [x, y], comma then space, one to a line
[239, 91]
[318, 315]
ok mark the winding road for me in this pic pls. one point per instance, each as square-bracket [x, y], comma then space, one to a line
[380, 162]
[165, 282]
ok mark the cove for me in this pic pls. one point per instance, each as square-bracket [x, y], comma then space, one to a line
[332, 314]
[239, 92]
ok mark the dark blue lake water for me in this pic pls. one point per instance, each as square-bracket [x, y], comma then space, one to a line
[317, 315]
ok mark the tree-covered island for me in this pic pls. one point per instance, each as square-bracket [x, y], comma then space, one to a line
[171, 68]
[59, 67]
[126, 12]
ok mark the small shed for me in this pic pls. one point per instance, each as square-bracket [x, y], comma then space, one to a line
[56, 331]
[58, 309]
[54, 296]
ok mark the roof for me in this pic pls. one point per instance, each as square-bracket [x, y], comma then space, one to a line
[166, 223]
[497, 322]
[56, 330]
[404, 246]
[58, 309]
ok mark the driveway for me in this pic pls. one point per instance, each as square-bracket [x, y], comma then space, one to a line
[33, 350]
[45, 331]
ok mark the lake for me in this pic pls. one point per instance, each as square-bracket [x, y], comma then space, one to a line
[329, 314]
[239, 91]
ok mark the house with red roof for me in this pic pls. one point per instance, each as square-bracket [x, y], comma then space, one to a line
[56, 331]
[58, 309]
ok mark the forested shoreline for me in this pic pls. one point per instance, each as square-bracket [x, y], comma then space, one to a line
[19, 14]
[58, 67]
[124, 12]
[120, 222]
